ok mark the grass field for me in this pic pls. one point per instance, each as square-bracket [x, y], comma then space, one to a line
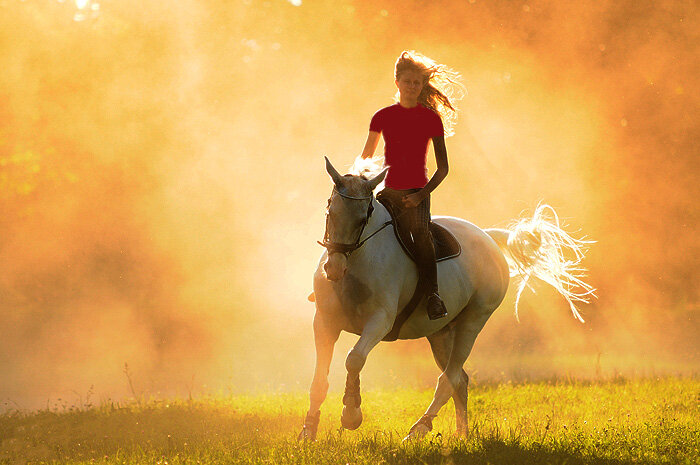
[613, 422]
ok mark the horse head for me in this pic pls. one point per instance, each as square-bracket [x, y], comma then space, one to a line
[348, 212]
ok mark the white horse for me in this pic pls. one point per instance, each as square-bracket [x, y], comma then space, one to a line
[365, 279]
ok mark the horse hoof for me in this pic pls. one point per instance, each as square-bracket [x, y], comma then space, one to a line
[307, 434]
[351, 418]
[418, 431]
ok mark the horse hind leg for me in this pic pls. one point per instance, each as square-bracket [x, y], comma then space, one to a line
[441, 345]
[453, 381]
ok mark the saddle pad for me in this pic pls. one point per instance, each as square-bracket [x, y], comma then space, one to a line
[446, 245]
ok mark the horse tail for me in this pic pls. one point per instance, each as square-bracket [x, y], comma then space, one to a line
[539, 247]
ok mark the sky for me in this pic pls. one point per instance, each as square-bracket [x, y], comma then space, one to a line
[162, 184]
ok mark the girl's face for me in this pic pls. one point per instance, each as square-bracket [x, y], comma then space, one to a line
[410, 84]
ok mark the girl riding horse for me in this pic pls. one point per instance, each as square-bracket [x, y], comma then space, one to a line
[364, 278]
[423, 112]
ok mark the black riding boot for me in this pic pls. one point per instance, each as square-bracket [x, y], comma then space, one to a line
[427, 272]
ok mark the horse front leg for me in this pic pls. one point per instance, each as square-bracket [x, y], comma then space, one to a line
[325, 337]
[374, 331]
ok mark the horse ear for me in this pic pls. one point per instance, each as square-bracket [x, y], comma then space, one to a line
[335, 176]
[374, 182]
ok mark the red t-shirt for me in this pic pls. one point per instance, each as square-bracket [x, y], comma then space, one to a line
[407, 132]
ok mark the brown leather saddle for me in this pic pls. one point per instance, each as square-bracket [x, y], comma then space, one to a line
[446, 247]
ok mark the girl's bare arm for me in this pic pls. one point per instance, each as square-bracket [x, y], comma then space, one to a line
[370, 145]
[412, 200]
[442, 166]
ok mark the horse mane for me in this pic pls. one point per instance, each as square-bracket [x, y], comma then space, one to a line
[367, 168]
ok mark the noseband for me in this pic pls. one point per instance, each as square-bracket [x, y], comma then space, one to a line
[347, 249]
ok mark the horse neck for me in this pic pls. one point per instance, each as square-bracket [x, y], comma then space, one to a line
[379, 217]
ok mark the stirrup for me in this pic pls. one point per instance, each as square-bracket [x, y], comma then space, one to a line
[440, 311]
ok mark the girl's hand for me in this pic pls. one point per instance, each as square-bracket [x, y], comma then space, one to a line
[412, 200]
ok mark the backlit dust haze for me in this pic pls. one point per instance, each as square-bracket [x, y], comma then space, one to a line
[162, 184]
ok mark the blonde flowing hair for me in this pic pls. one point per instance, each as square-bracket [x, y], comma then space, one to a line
[442, 86]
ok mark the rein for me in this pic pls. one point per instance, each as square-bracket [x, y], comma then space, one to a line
[347, 249]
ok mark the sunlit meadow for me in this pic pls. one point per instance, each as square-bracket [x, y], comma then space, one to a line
[616, 421]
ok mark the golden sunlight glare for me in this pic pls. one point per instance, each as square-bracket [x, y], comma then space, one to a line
[162, 182]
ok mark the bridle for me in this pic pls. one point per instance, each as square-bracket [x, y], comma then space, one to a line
[347, 249]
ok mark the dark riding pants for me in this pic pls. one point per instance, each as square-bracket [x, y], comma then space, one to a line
[412, 224]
